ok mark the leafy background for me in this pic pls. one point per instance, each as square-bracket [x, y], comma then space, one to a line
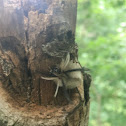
[101, 37]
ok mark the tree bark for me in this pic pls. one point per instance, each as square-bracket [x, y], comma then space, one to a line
[34, 37]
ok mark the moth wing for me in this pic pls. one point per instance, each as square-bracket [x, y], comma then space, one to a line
[65, 62]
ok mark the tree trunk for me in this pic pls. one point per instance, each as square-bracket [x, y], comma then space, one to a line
[35, 35]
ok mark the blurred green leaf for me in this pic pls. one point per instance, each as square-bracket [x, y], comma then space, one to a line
[101, 37]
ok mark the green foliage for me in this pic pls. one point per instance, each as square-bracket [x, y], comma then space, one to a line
[101, 36]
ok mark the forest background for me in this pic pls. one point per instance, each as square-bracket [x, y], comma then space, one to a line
[101, 37]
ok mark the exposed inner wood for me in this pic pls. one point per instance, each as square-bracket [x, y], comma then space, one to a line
[17, 110]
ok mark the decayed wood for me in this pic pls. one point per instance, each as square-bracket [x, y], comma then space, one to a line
[26, 26]
[11, 112]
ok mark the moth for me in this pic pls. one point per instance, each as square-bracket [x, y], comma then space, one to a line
[67, 75]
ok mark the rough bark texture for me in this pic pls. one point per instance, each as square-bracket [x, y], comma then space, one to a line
[34, 36]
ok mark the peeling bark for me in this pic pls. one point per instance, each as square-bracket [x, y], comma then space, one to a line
[34, 36]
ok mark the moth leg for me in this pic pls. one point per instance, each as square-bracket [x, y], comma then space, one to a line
[57, 88]
[87, 83]
[65, 92]
[80, 97]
